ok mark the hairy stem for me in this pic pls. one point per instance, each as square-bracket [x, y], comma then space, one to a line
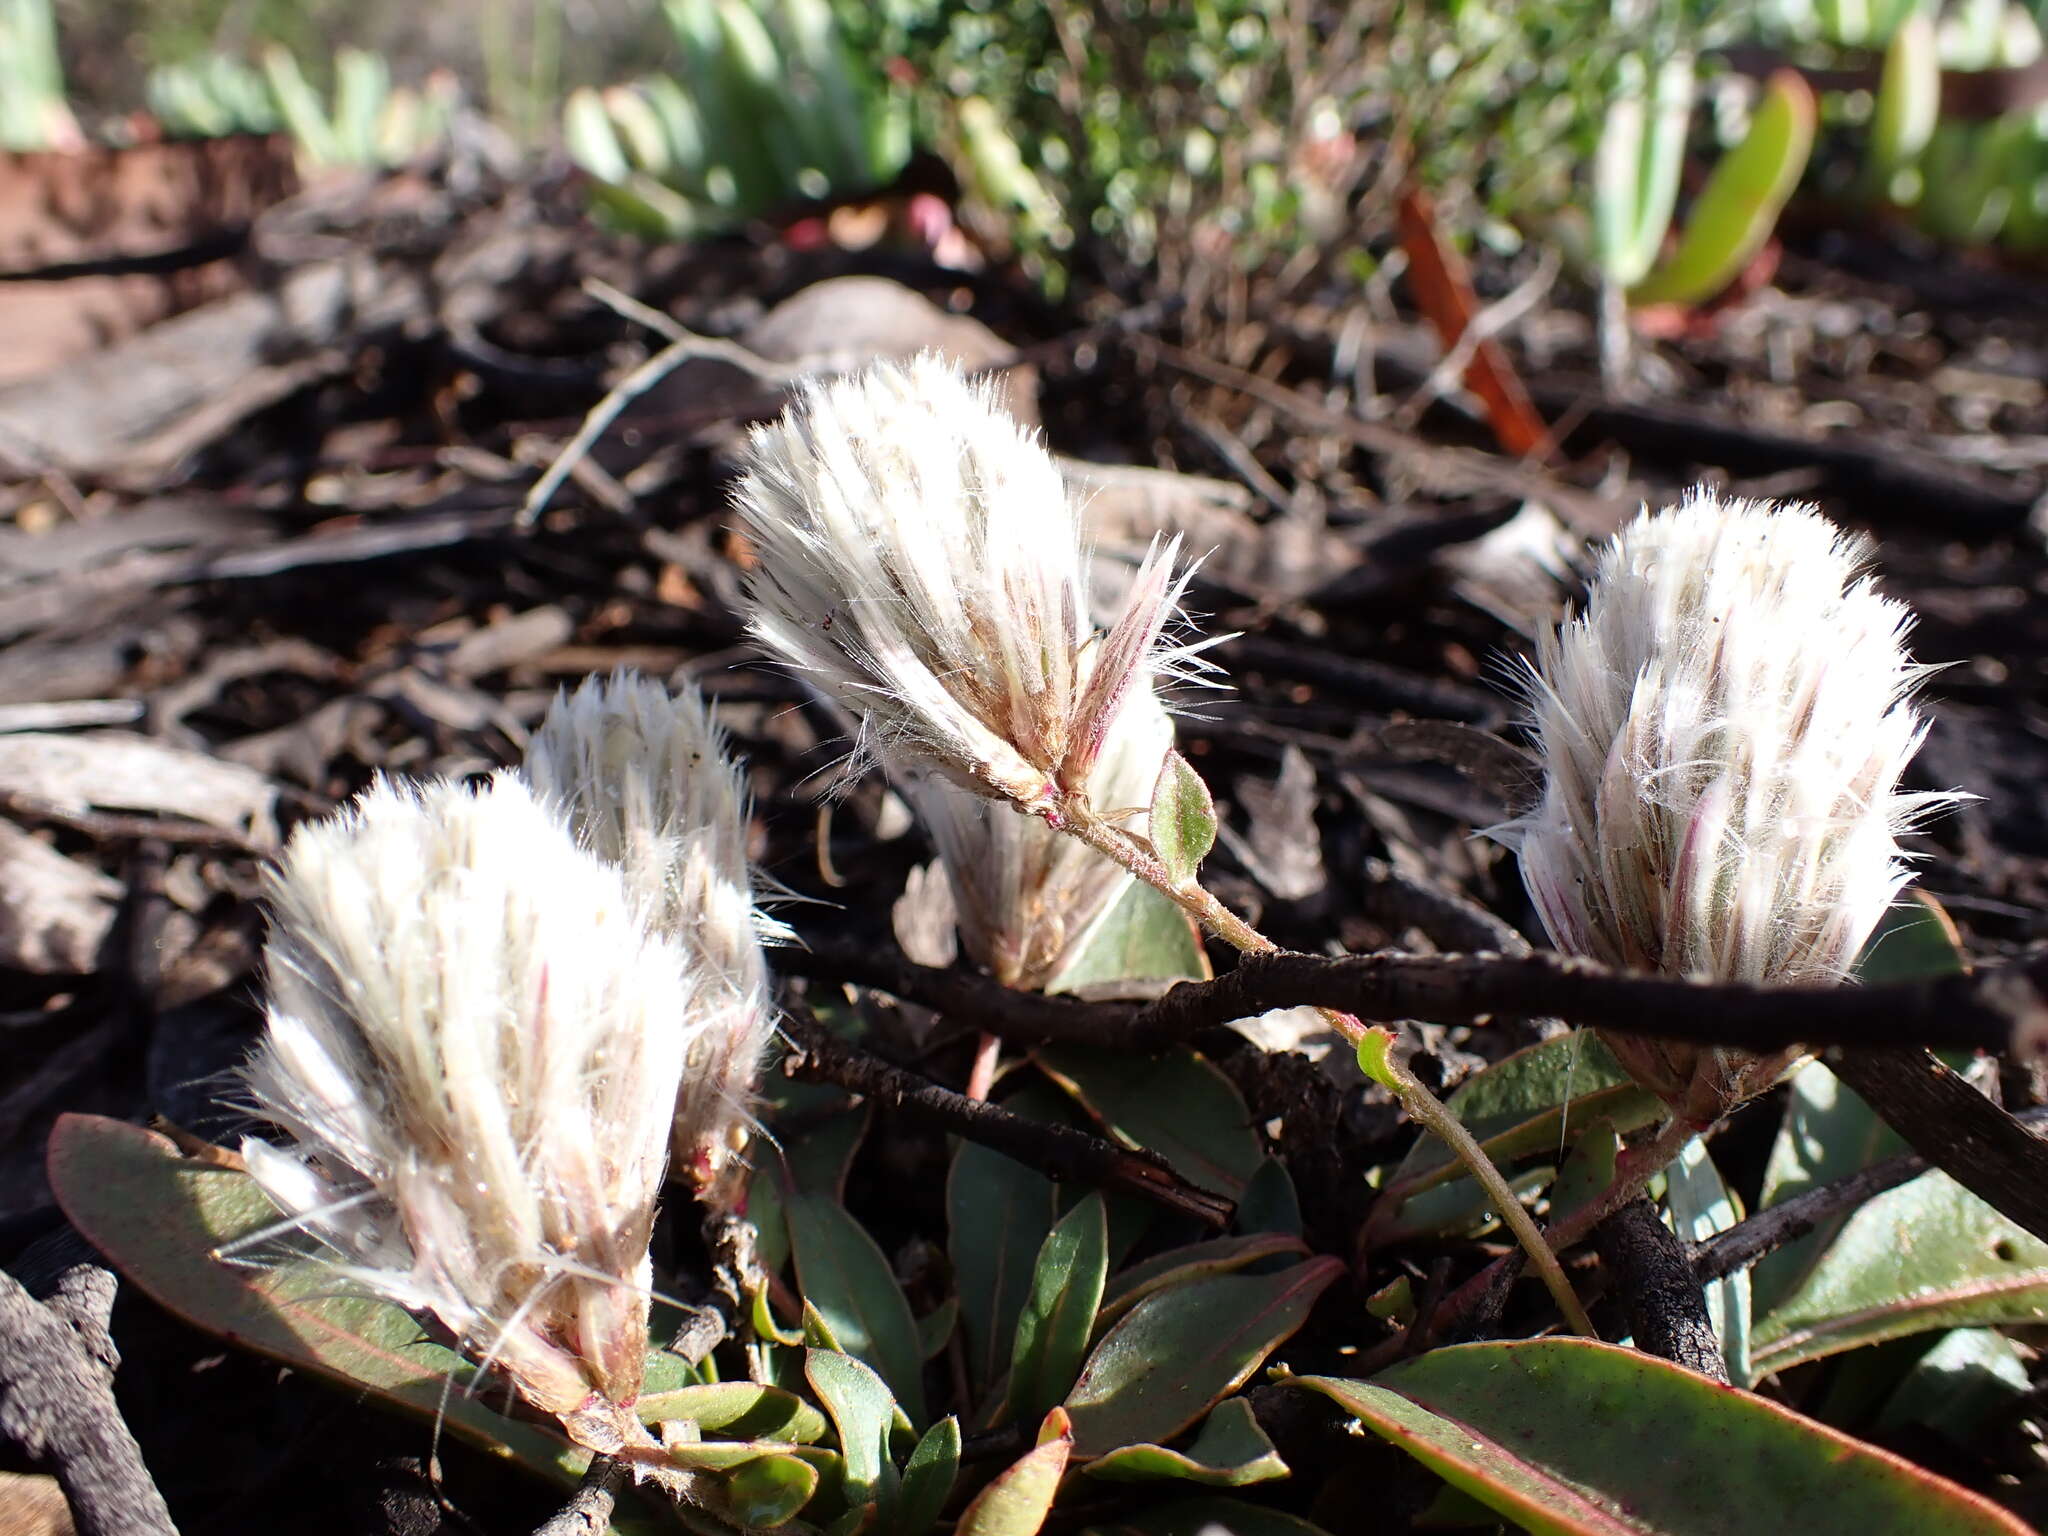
[1430, 1112]
[1078, 818]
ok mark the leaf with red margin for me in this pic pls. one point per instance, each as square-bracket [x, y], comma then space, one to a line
[1568, 1437]
[158, 1216]
[1180, 1351]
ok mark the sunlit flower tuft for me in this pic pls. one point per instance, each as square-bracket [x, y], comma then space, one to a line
[920, 560]
[1722, 732]
[1025, 896]
[647, 783]
[471, 1040]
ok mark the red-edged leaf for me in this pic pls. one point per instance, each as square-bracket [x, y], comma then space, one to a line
[1179, 1352]
[1567, 1437]
[1021, 1496]
[159, 1216]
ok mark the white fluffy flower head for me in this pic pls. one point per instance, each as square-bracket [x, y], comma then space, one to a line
[647, 784]
[471, 1038]
[1722, 731]
[921, 561]
[1025, 895]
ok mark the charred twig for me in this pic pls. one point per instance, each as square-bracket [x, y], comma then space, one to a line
[57, 1404]
[1447, 917]
[589, 1510]
[1659, 1292]
[1057, 1151]
[1955, 1128]
[1769, 1230]
[1995, 1008]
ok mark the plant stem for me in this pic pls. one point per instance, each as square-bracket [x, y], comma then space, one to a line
[1077, 817]
[1434, 1116]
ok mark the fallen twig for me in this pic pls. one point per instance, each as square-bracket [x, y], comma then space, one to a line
[1057, 1151]
[57, 1404]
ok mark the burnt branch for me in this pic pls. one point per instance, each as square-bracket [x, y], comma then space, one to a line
[1659, 1292]
[1996, 1008]
[1057, 1151]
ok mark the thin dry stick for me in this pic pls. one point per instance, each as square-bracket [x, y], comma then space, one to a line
[1077, 817]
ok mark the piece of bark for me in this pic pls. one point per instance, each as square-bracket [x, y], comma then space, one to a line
[1653, 1280]
[56, 1404]
[119, 771]
[54, 911]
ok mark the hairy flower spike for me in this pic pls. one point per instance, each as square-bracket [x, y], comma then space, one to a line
[1026, 896]
[921, 560]
[1722, 731]
[647, 784]
[471, 1039]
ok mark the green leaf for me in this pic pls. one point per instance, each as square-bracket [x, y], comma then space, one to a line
[1701, 1207]
[998, 1212]
[1179, 1352]
[1177, 1104]
[1183, 819]
[1828, 1132]
[768, 1491]
[1059, 1311]
[928, 1478]
[1018, 1500]
[863, 1412]
[1958, 1386]
[1571, 1436]
[1527, 1104]
[935, 1330]
[1928, 1254]
[1736, 210]
[844, 1275]
[1914, 941]
[1269, 1202]
[1908, 106]
[1231, 1451]
[741, 1410]
[1141, 937]
[158, 1217]
[1195, 1261]
[1637, 166]
[1224, 1515]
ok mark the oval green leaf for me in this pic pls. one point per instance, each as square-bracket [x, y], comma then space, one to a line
[1177, 1104]
[1183, 822]
[1567, 1437]
[1527, 1104]
[928, 1478]
[1059, 1312]
[740, 1410]
[1020, 1498]
[1734, 213]
[1178, 1353]
[863, 1412]
[768, 1491]
[1928, 1254]
[844, 1275]
[158, 1217]
[1142, 937]
[1231, 1451]
[998, 1213]
[1196, 1261]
